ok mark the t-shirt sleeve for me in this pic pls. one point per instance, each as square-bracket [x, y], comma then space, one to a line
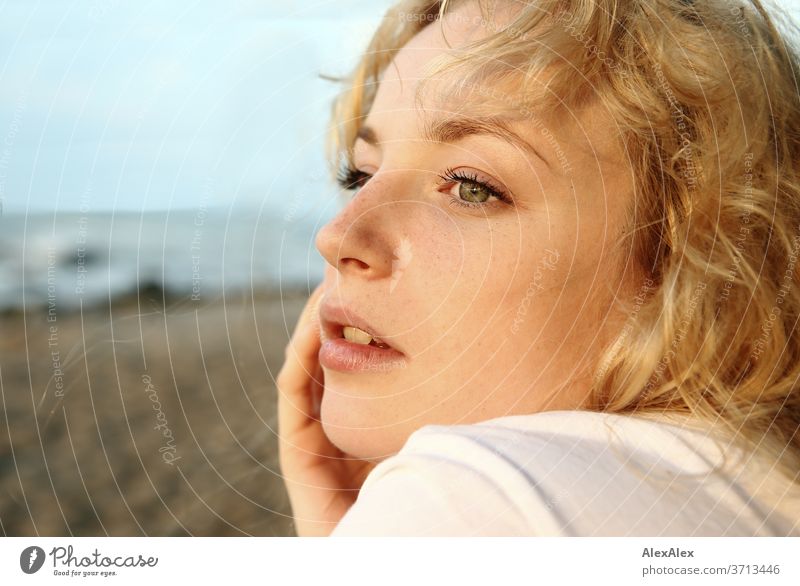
[429, 490]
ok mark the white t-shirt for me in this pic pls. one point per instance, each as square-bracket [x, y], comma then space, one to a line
[572, 473]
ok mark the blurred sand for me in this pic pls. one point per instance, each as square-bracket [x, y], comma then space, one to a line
[92, 462]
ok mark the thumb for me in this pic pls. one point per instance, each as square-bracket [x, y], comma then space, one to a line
[317, 389]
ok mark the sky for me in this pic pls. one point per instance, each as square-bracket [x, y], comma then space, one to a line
[111, 104]
[148, 105]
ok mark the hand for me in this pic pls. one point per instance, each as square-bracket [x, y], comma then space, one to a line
[322, 481]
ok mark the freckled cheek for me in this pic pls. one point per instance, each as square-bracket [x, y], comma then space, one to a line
[525, 285]
[436, 253]
[517, 260]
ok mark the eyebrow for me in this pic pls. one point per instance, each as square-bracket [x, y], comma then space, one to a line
[453, 129]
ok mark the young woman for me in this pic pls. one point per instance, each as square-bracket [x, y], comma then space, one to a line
[562, 298]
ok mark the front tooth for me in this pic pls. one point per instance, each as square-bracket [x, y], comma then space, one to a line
[356, 335]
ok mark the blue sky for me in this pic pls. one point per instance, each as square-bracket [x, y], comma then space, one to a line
[112, 104]
[145, 105]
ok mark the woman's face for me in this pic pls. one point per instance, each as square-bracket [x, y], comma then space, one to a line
[487, 269]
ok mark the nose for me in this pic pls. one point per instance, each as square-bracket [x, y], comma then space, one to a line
[358, 240]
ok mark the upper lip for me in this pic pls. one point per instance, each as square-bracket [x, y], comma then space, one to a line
[333, 318]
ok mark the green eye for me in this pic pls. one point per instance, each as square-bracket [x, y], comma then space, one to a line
[474, 192]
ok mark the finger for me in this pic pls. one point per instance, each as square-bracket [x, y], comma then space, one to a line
[298, 375]
[303, 345]
[310, 313]
[317, 387]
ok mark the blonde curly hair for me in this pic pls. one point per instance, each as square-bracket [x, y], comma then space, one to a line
[704, 95]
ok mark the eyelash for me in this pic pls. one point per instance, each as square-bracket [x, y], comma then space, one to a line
[465, 177]
[351, 178]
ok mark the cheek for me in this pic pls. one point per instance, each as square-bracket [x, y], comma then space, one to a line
[435, 260]
[528, 281]
[527, 264]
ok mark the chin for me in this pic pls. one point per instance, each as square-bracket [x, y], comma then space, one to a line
[358, 434]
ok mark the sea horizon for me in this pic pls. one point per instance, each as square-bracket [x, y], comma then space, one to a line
[79, 259]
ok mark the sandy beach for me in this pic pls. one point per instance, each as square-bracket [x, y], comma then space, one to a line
[144, 418]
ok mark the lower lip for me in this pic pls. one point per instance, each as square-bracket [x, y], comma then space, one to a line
[339, 354]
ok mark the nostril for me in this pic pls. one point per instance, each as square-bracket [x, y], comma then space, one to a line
[353, 261]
